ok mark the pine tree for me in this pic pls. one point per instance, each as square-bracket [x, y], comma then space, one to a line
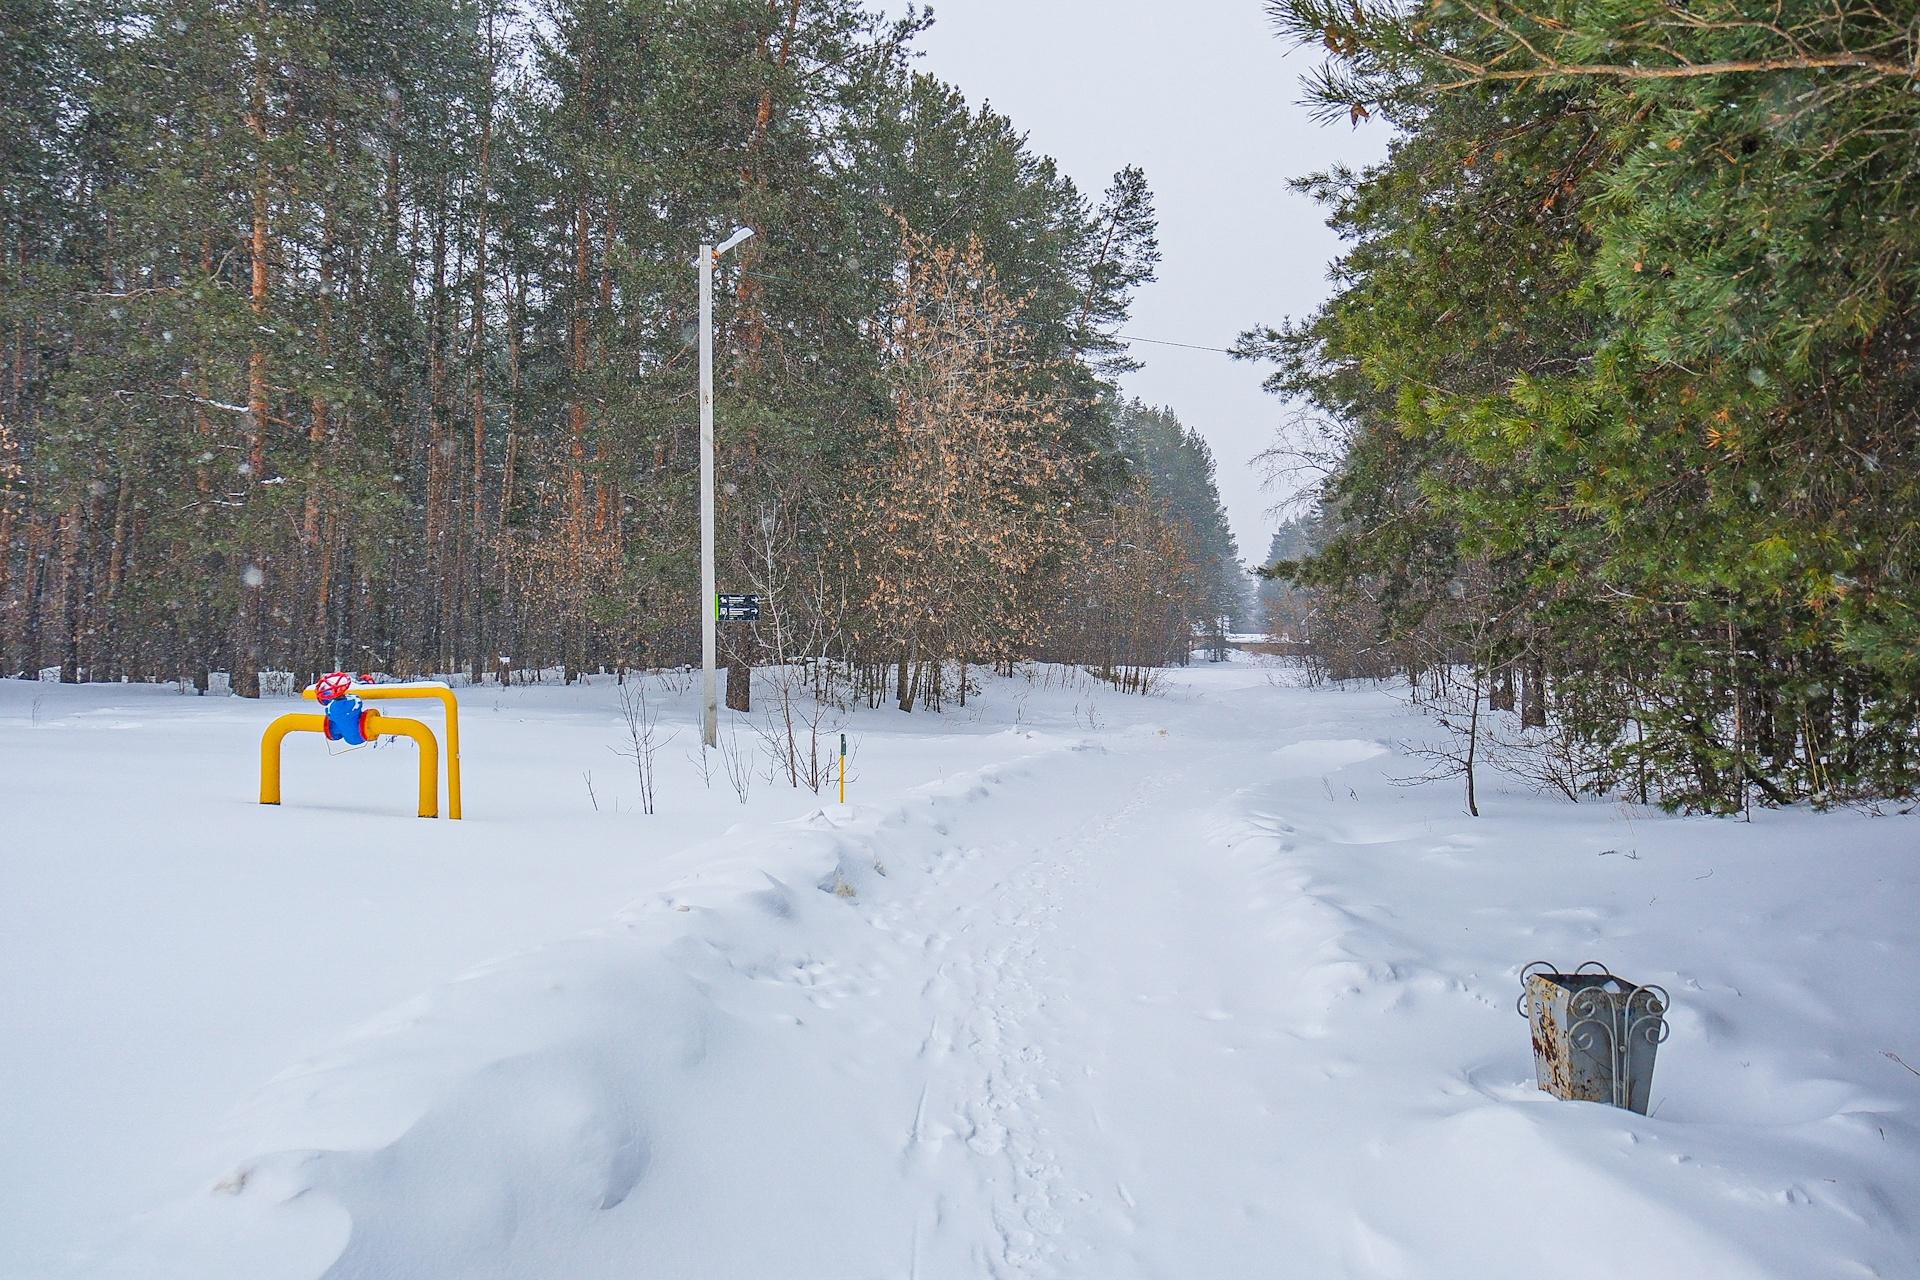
[1623, 350]
[1176, 464]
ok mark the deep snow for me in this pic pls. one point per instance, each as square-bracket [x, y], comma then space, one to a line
[1078, 985]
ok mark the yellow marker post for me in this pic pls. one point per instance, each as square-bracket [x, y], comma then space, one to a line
[843, 768]
[442, 693]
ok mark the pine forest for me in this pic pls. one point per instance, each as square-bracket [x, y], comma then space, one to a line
[342, 333]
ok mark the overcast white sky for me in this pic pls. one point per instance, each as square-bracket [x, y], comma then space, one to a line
[1203, 96]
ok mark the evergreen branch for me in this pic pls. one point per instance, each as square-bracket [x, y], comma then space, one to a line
[1485, 73]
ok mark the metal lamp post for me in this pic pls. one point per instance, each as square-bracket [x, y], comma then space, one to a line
[709, 593]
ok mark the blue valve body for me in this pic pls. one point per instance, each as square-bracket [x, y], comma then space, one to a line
[347, 721]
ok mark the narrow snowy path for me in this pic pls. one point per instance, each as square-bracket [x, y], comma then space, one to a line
[1022, 947]
[1103, 1005]
[1089, 964]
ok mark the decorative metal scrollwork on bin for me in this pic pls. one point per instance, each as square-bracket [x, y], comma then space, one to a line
[1594, 1035]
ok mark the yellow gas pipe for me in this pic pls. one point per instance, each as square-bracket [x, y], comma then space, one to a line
[421, 689]
[377, 725]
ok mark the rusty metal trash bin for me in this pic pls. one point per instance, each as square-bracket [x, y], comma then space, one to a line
[1594, 1034]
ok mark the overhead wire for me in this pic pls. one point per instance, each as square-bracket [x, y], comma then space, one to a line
[1123, 337]
[1162, 342]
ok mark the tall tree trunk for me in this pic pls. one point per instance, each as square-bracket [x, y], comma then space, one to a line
[257, 390]
[38, 565]
[1500, 694]
[1533, 694]
[516, 343]
[439, 437]
[577, 366]
[248, 626]
[389, 289]
[322, 346]
[1473, 749]
[325, 651]
[905, 684]
[313, 540]
[12, 426]
[72, 550]
[602, 491]
[202, 421]
[739, 666]
[477, 360]
[117, 542]
[577, 337]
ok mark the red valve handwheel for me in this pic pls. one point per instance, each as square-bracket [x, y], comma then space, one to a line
[334, 684]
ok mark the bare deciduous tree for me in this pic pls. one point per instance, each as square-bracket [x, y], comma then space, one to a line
[643, 736]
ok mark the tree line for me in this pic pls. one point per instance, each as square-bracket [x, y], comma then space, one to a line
[341, 333]
[1621, 381]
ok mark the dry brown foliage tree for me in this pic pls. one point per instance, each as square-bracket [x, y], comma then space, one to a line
[1133, 597]
[966, 494]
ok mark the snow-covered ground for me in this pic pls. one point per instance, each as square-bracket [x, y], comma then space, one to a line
[1078, 985]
